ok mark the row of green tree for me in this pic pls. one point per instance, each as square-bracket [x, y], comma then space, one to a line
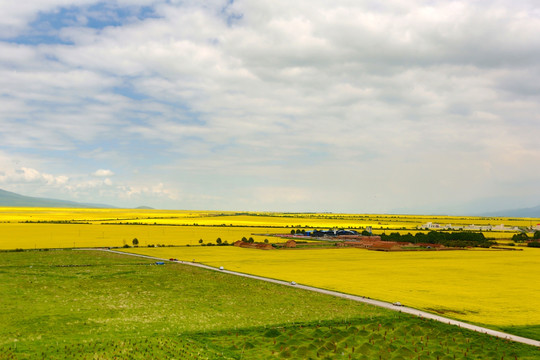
[523, 237]
[453, 239]
[220, 242]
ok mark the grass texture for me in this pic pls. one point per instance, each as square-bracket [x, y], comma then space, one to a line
[93, 305]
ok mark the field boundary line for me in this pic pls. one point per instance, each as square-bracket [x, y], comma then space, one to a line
[378, 303]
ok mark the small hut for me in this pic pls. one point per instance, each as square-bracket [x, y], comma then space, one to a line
[290, 244]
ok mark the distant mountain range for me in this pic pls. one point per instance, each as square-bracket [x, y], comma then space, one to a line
[11, 199]
[532, 212]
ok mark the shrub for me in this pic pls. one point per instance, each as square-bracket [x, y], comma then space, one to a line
[521, 237]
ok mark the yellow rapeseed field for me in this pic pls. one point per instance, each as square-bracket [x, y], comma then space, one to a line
[490, 287]
[498, 288]
[30, 236]
[188, 217]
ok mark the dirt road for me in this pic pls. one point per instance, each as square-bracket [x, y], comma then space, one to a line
[378, 303]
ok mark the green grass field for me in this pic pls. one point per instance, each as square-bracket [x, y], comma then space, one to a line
[94, 305]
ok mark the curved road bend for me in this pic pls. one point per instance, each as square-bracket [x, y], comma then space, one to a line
[378, 303]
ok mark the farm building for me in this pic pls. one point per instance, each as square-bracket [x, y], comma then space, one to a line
[332, 233]
[374, 245]
[359, 237]
[290, 244]
[243, 244]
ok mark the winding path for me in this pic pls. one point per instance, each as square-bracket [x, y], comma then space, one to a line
[378, 303]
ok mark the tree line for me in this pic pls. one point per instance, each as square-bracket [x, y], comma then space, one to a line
[523, 237]
[450, 239]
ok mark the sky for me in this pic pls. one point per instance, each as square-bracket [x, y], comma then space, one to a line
[339, 106]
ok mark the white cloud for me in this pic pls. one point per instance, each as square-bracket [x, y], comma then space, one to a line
[103, 173]
[146, 191]
[79, 187]
[307, 88]
[29, 175]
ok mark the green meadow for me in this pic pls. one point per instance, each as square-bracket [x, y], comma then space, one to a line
[71, 304]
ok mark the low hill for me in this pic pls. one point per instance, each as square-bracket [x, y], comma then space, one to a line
[532, 212]
[11, 199]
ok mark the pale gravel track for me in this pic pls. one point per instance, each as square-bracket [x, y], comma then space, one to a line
[386, 305]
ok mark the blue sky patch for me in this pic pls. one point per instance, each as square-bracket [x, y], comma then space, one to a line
[45, 29]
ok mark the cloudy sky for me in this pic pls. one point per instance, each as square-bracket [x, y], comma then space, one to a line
[342, 106]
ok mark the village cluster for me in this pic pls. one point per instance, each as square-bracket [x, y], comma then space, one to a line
[340, 239]
[501, 227]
